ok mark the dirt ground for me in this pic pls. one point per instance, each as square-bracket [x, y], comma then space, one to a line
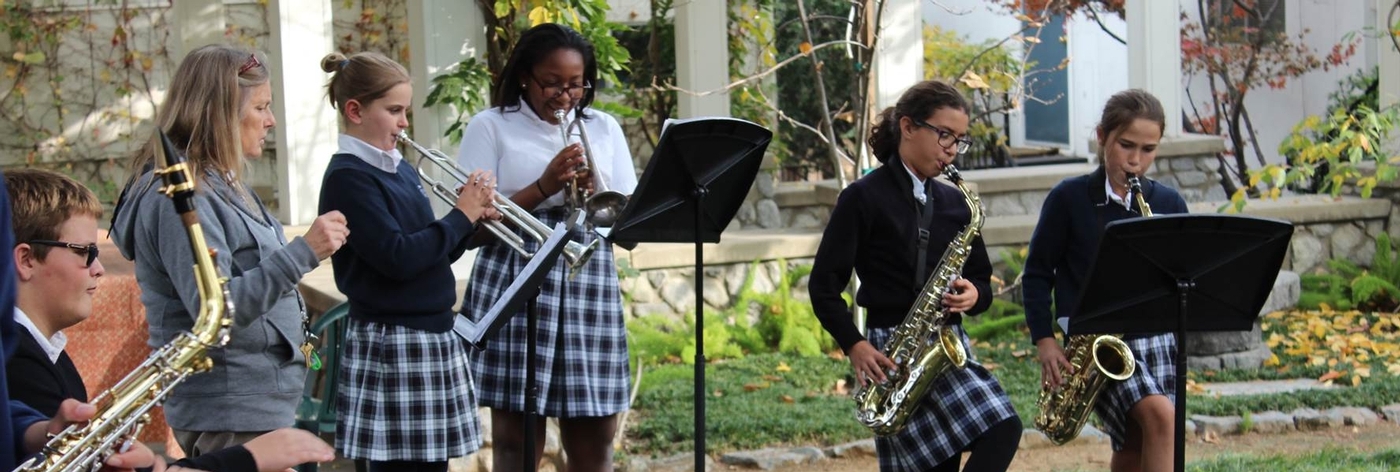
[1095, 457]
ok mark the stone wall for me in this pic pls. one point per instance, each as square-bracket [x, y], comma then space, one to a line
[671, 291]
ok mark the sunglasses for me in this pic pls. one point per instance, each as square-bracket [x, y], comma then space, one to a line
[252, 62]
[89, 250]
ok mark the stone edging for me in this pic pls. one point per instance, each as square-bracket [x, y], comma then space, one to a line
[1302, 419]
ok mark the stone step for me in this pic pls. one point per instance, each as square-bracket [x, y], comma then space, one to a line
[1262, 387]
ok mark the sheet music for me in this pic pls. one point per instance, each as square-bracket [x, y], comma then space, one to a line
[472, 332]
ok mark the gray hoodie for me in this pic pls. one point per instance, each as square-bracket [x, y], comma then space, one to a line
[257, 379]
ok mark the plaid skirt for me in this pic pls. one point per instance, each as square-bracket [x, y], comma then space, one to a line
[1155, 375]
[405, 394]
[960, 406]
[581, 365]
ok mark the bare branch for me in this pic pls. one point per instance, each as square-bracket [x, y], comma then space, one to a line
[1094, 14]
[800, 125]
[755, 77]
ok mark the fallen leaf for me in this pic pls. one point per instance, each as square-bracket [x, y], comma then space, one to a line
[788, 399]
[1329, 376]
[783, 367]
[1021, 353]
[772, 378]
[719, 393]
[840, 387]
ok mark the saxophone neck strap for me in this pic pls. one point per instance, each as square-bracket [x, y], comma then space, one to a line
[925, 219]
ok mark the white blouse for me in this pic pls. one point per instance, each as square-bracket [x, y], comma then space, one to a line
[516, 145]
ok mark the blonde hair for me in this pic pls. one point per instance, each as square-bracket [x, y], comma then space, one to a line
[201, 112]
[363, 76]
[42, 200]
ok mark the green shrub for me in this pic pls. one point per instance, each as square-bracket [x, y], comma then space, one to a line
[1350, 286]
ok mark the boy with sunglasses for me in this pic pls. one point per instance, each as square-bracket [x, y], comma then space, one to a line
[56, 272]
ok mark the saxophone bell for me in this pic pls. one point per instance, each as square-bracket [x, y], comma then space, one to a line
[1095, 360]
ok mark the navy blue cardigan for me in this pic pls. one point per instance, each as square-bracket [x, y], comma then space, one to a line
[873, 230]
[1066, 238]
[396, 266]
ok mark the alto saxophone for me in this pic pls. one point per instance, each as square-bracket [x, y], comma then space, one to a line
[124, 409]
[1095, 360]
[922, 347]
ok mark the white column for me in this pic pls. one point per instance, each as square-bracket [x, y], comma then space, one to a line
[702, 56]
[1389, 60]
[197, 23]
[899, 54]
[441, 33]
[306, 123]
[1154, 54]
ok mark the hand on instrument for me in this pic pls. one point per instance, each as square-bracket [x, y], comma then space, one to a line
[869, 363]
[962, 296]
[327, 234]
[561, 169]
[475, 196]
[72, 412]
[1053, 363]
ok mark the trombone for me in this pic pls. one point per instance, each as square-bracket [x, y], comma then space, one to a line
[604, 206]
[574, 253]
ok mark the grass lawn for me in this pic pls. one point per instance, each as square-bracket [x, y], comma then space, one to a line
[1328, 460]
[765, 400]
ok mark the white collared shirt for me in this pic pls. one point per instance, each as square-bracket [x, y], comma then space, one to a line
[53, 346]
[387, 161]
[1113, 197]
[516, 145]
[918, 184]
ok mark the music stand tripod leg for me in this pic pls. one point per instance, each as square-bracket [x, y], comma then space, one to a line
[699, 334]
[1183, 288]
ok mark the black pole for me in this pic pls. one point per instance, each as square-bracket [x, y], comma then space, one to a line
[1183, 288]
[531, 389]
[699, 335]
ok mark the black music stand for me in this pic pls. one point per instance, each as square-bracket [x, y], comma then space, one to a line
[1147, 269]
[698, 176]
[520, 294]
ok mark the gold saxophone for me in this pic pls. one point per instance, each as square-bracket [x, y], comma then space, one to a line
[922, 346]
[1095, 359]
[123, 410]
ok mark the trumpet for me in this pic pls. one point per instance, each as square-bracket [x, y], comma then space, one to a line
[574, 253]
[603, 206]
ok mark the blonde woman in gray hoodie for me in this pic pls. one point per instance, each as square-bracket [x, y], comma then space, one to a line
[218, 111]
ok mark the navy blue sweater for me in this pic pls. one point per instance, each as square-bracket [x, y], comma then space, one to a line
[1066, 238]
[874, 230]
[396, 265]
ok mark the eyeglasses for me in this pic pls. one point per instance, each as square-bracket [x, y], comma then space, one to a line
[89, 250]
[946, 138]
[252, 62]
[555, 90]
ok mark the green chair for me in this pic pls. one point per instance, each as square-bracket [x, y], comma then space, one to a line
[317, 411]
